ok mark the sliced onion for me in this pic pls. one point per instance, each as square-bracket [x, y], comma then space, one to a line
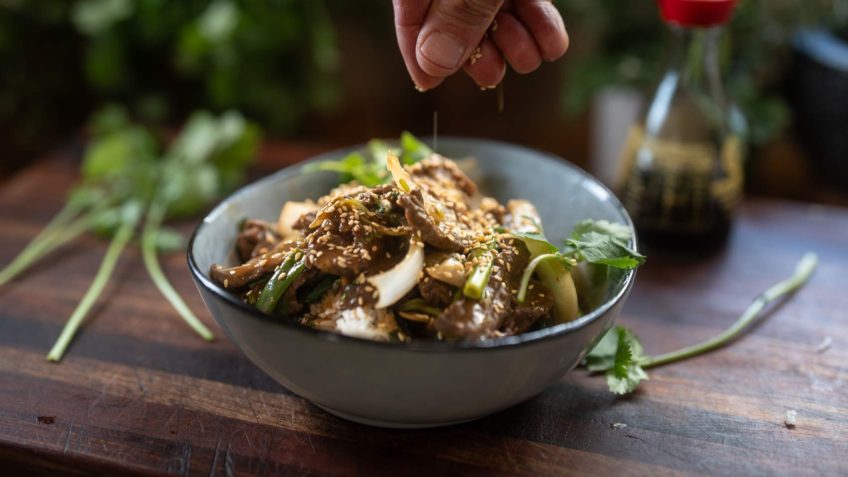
[291, 213]
[399, 174]
[450, 271]
[396, 282]
[523, 216]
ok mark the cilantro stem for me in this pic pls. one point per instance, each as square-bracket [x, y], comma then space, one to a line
[528, 273]
[51, 237]
[802, 274]
[131, 214]
[153, 221]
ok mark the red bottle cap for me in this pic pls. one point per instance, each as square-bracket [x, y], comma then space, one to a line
[697, 13]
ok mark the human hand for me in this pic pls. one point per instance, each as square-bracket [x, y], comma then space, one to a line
[438, 37]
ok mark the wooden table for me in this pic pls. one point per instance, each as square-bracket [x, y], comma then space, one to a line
[138, 392]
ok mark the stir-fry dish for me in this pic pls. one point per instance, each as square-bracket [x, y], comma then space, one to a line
[422, 256]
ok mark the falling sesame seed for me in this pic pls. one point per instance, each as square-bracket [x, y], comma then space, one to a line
[226, 283]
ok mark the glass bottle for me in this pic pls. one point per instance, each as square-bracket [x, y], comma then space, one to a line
[681, 172]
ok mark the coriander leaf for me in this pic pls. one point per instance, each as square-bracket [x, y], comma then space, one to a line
[106, 221]
[605, 227]
[368, 167]
[377, 150]
[118, 154]
[187, 192]
[169, 240]
[605, 249]
[602, 356]
[109, 119]
[620, 355]
[206, 160]
[353, 167]
[197, 140]
[536, 242]
[237, 151]
[412, 149]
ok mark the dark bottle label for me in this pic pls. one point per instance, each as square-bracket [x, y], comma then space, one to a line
[680, 190]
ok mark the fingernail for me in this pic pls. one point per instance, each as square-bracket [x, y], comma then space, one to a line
[420, 89]
[443, 50]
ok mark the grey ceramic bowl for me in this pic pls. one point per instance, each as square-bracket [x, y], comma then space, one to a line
[418, 384]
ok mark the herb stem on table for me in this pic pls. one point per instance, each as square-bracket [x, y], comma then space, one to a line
[153, 222]
[803, 271]
[43, 244]
[620, 355]
[130, 216]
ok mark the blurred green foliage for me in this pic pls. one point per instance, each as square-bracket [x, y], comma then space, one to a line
[276, 60]
[273, 59]
[623, 43]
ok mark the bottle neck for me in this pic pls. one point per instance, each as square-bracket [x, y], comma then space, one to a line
[695, 60]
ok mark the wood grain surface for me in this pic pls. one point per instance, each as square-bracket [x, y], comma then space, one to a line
[139, 393]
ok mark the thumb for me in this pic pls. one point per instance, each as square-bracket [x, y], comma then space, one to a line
[451, 31]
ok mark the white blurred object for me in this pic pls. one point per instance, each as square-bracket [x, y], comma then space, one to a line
[614, 111]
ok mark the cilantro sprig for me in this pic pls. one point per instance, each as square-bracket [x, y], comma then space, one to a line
[605, 243]
[594, 241]
[368, 167]
[127, 181]
[620, 356]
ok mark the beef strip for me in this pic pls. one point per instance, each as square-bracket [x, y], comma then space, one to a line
[234, 278]
[537, 304]
[435, 293]
[436, 169]
[478, 319]
[303, 222]
[443, 206]
[444, 235]
[257, 237]
[349, 234]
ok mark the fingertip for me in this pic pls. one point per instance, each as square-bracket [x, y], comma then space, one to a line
[558, 42]
[407, 37]
[516, 43]
[486, 65]
[544, 22]
[425, 83]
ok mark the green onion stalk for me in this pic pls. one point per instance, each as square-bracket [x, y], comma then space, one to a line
[153, 222]
[475, 284]
[283, 277]
[75, 218]
[131, 213]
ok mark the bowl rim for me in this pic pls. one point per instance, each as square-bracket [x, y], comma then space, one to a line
[528, 338]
